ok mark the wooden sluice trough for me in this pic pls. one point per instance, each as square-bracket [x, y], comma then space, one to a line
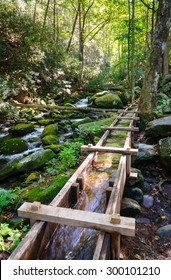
[45, 218]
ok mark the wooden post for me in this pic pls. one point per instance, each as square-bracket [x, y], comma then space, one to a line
[80, 181]
[128, 163]
[115, 245]
[74, 194]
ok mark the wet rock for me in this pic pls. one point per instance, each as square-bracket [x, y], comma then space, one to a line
[109, 100]
[165, 152]
[56, 148]
[49, 140]
[138, 182]
[13, 146]
[51, 129]
[146, 153]
[22, 129]
[134, 193]
[130, 207]
[164, 231]
[45, 122]
[159, 127]
[8, 171]
[148, 201]
[147, 187]
[34, 161]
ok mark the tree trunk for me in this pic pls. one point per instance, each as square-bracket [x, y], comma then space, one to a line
[165, 62]
[133, 51]
[148, 99]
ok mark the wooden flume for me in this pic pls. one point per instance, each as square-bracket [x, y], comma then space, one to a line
[108, 241]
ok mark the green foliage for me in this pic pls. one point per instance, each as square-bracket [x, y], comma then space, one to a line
[9, 238]
[8, 111]
[9, 199]
[69, 156]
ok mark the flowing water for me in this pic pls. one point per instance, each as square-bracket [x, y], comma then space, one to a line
[79, 243]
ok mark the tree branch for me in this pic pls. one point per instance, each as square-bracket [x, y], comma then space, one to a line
[147, 5]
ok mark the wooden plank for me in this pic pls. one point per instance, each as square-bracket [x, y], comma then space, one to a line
[133, 129]
[78, 218]
[124, 151]
[133, 175]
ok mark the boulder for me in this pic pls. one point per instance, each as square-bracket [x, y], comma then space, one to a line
[134, 193]
[146, 153]
[136, 182]
[109, 100]
[21, 129]
[159, 127]
[49, 140]
[34, 161]
[164, 231]
[7, 171]
[165, 152]
[13, 146]
[51, 129]
[129, 207]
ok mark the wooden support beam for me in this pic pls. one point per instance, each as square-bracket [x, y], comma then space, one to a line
[78, 218]
[74, 194]
[133, 129]
[80, 181]
[124, 151]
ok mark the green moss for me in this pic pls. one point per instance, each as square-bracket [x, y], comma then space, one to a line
[13, 146]
[109, 101]
[34, 176]
[95, 127]
[56, 148]
[49, 140]
[51, 129]
[21, 129]
[45, 122]
[47, 193]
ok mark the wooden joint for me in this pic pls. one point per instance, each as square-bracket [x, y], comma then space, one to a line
[115, 218]
[133, 175]
[35, 206]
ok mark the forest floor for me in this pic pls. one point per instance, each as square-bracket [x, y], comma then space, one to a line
[147, 245]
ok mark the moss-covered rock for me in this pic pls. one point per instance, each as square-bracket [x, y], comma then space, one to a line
[136, 183]
[56, 148]
[165, 152]
[21, 129]
[34, 176]
[34, 161]
[129, 207]
[109, 100]
[47, 193]
[45, 122]
[51, 129]
[134, 193]
[49, 140]
[13, 146]
[159, 127]
[8, 171]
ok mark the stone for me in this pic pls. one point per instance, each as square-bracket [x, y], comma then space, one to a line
[45, 122]
[142, 220]
[134, 193]
[148, 201]
[165, 152]
[146, 153]
[13, 146]
[49, 140]
[147, 187]
[56, 148]
[109, 100]
[164, 231]
[22, 129]
[159, 127]
[138, 182]
[51, 129]
[34, 161]
[129, 207]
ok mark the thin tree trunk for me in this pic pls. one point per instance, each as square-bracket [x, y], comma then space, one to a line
[73, 30]
[35, 10]
[45, 17]
[54, 20]
[129, 36]
[133, 51]
[165, 62]
[148, 99]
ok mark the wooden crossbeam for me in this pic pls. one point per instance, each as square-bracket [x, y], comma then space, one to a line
[121, 128]
[123, 151]
[79, 218]
[128, 118]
